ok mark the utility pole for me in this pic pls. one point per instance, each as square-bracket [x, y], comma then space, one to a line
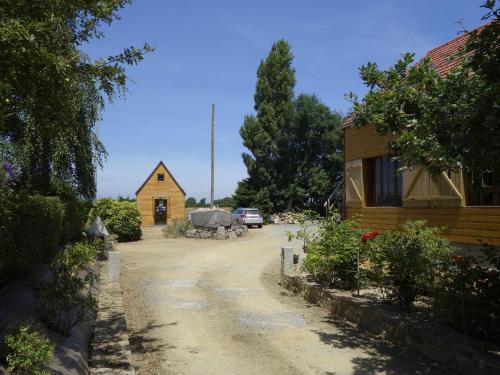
[212, 198]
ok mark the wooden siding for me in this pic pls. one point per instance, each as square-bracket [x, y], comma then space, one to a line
[364, 142]
[440, 201]
[167, 189]
[463, 225]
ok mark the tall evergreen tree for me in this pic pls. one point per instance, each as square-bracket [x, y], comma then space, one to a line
[266, 135]
[295, 147]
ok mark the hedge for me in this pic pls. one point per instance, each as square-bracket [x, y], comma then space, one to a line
[32, 228]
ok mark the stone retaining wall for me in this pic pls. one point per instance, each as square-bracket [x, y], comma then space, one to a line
[460, 353]
[110, 347]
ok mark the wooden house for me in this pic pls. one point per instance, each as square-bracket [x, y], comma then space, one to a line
[160, 198]
[468, 206]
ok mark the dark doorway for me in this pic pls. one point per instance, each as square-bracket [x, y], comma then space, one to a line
[160, 211]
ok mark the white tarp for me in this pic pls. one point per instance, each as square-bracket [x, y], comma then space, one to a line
[97, 228]
[210, 218]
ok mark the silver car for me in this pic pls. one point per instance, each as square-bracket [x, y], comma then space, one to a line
[248, 217]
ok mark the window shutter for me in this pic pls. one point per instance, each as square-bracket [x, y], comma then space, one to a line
[420, 189]
[354, 192]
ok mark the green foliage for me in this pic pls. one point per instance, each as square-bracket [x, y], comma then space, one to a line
[225, 202]
[245, 195]
[295, 147]
[128, 199]
[468, 294]
[202, 203]
[178, 228]
[316, 145]
[103, 208]
[65, 299]
[264, 134]
[332, 256]
[31, 229]
[52, 92]
[29, 352]
[73, 221]
[120, 217]
[407, 262]
[191, 202]
[442, 123]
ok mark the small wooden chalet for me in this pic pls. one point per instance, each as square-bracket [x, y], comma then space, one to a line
[467, 205]
[160, 198]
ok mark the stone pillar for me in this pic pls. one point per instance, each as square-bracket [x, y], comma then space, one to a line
[113, 266]
[287, 260]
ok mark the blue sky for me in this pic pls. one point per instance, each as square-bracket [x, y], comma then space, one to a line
[208, 51]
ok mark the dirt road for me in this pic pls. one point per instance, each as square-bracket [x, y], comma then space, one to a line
[215, 307]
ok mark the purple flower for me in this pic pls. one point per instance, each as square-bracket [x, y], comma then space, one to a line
[8, 168]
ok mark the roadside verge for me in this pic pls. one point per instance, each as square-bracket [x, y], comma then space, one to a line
[458, 352]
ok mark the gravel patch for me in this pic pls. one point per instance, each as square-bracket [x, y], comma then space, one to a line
[272, 321]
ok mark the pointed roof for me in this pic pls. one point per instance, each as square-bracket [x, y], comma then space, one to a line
[151, 175]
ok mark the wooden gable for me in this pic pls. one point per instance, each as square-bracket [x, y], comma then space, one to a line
[168, 183]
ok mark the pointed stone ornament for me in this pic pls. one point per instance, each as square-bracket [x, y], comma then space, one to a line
[97, 228]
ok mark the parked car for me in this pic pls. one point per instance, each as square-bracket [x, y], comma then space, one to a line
[248, 217]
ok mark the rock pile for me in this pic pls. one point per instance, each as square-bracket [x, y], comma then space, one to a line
[287, 218]
[221, 233]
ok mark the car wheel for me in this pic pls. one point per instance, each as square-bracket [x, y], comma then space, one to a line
[260, 225]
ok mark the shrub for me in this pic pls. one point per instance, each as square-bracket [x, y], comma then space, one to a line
[40, 227]
[30, 232]
[332, 256]
[125, 221]
[468, 295]
[103, 208]
[74, 220]
[120, 217]
[408, 261]
[66, 297]
[29, 352]
[9, 207]
[178, 228]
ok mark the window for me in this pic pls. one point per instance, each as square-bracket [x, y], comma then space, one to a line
[384, 185]
[161, 177]
[483, 189]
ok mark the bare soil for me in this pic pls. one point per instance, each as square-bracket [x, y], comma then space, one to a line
[216, 307]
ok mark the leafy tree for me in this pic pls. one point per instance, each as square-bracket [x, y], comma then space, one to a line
[316, 147]
[52, 92]
[191, 202]
[202, 202]
[442, 123]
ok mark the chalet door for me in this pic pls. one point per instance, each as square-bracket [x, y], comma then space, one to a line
[160, 212]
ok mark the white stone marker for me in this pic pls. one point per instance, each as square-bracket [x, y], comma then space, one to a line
[286, 260]
[113, 266]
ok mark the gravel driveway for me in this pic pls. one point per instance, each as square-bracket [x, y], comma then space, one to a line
[215, 307]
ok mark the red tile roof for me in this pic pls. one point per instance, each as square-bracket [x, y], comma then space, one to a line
[445, 57]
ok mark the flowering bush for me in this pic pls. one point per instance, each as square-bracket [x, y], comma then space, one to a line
[6, 174]
[369, 235]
